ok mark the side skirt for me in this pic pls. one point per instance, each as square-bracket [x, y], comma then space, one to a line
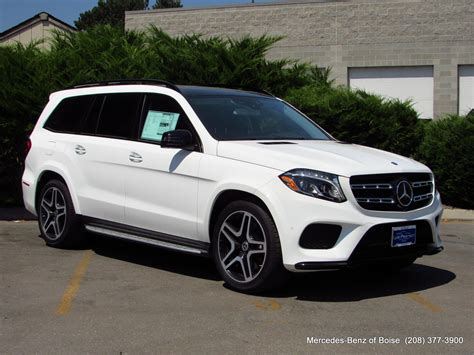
[123, 231]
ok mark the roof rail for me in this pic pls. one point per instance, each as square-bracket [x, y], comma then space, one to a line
[157, 82]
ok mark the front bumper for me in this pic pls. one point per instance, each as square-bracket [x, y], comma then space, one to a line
[334, 265]
[293, 212]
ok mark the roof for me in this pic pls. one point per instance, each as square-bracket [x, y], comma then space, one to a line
[40, 17]
[185, 90]
[195, 91]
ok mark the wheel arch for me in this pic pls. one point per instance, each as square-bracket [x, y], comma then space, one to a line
[229, 195]
[51, 173]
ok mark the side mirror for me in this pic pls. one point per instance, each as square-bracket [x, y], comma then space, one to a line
[179, 138]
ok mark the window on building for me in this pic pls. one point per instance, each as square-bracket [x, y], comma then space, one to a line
[466, 89]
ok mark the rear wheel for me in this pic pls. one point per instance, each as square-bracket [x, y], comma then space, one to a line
[246, 248]
[58, 223]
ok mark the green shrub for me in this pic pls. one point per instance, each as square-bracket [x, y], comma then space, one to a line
[24, 88]
[358, 117]
[448, 149]
[106, 52]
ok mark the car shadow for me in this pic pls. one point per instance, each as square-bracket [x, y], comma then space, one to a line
[354, 285]
[178, 159]
[154, 257]
[350, 285]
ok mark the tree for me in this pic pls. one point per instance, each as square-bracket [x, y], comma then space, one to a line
[110, 12]
[165, 4]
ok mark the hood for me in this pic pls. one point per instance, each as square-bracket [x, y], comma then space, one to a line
[330, 156]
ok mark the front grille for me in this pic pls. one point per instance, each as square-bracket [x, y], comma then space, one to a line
[376, 242]
[378, 192]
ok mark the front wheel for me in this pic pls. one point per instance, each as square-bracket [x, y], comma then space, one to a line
[246, 248]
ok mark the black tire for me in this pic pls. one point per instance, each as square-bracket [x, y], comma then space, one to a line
[272, 273]
[59, 229]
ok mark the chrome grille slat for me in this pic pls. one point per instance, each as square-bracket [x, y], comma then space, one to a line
[376, 200]
[423, 197]
[371, 186]
[421, 183]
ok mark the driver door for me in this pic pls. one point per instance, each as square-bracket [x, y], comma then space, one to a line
[161, 183]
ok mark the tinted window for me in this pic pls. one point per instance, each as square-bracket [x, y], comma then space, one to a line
[119, 115]
[90, 122]
[162, 114]
[67, 116]
[253, 118]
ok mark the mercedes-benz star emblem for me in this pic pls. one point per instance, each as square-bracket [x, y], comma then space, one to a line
[404, 193]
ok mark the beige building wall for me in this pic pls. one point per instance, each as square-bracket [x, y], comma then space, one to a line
[38, 29]
[345, 34]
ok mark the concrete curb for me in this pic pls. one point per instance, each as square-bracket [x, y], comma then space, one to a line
[457, 214]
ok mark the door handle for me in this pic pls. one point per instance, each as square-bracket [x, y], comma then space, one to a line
[80, 150]
[135, 157]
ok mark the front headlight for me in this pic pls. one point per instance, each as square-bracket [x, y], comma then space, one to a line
[314, 183]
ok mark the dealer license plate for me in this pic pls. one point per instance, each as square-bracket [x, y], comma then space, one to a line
[403, 236]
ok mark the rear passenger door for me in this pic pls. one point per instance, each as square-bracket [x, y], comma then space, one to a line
[99, 154]
[162, 183]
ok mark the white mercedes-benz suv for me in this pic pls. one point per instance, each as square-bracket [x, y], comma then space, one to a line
[241, 176]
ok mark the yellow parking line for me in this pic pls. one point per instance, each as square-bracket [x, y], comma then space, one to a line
[266, 305]
[414, 296]
[73, 286]
[274, 305]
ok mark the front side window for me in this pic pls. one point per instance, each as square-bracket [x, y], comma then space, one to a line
[119, 115]
[67, 116]
[161, 114]
[253, 118]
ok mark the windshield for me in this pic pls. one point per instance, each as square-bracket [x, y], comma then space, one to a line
[253, 118]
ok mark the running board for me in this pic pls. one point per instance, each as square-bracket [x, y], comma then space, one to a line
[136, 238]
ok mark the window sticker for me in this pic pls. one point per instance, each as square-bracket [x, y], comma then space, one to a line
[157, 123]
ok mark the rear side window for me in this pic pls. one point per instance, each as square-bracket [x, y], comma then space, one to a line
[68, 115]
[119, 115]
[90, 122]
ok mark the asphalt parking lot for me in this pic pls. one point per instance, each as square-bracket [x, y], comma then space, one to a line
[118, 297]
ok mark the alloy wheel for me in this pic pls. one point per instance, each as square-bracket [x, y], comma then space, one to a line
[242, 246]
[53, 213]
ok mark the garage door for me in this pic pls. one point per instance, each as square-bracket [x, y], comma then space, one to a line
[404, 83]
[466, 88]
